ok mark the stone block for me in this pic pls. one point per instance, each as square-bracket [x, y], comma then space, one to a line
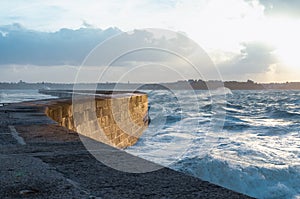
[118, 120]
[65, 110]
[99, 112]
[100, 103]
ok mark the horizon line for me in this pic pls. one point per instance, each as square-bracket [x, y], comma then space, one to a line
[178, 81]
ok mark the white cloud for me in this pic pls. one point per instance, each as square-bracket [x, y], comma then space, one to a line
[213, 24]
[218, 26]
[290, 8]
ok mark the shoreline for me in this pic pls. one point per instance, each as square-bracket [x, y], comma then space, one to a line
[53, 163]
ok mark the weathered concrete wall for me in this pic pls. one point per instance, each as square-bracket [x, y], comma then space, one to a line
[117, 121]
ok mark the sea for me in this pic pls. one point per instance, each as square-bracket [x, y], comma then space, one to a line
[247, 141]
[14, 96]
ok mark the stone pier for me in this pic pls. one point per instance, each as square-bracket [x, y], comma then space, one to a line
[117, 119]
[41, 158]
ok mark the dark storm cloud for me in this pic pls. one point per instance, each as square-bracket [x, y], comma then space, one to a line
[282, 7]
[148, 46]
[19, 45]
[255, 57]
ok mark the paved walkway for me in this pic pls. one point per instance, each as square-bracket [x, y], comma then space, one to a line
[53, 163]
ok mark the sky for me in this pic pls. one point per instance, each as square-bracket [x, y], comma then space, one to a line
[49, 40]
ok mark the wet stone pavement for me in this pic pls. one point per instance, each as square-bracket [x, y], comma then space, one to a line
[53, 163]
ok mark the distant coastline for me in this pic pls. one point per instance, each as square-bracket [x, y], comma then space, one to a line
[179, 85]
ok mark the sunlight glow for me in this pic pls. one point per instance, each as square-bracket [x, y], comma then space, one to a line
[284, 35]
[220, 29]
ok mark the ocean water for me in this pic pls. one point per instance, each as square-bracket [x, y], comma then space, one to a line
[247, 141]
[13, 96]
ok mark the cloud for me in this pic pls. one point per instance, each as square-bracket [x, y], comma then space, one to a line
[145, 51]
[22, 46]
[85, 24]
[31, 73]
[282, 7]
[254, 58]
[134, 53]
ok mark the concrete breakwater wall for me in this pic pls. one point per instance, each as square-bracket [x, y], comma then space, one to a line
[114, 119]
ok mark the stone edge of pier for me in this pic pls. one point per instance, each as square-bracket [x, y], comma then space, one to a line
[53, 163]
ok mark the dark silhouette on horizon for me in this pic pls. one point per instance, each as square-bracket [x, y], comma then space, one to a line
[179, 85]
